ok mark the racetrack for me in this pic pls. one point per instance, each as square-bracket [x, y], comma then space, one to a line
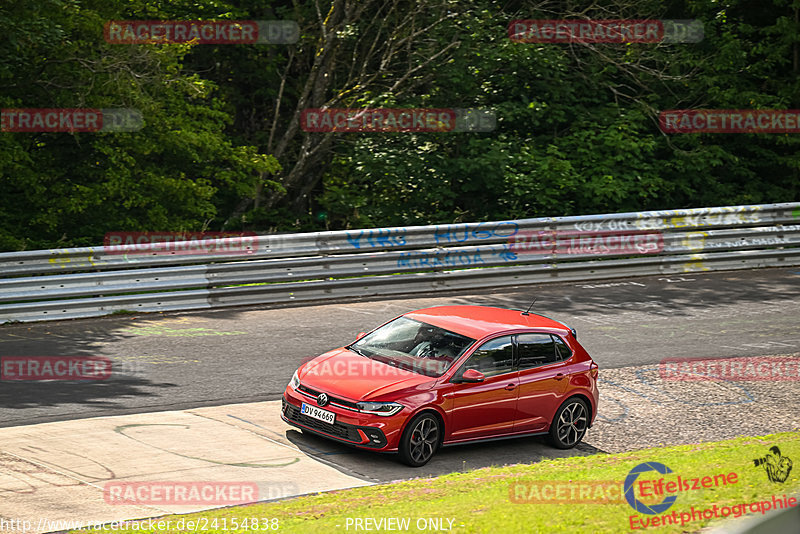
[197, 369]
[179, 361]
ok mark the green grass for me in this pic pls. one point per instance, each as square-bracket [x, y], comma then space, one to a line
[479, 500]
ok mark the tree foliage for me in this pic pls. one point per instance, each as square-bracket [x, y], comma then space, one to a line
[222, 147]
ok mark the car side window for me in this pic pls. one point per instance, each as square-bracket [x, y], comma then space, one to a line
[535, 350]
[493, 357]
[562, 348]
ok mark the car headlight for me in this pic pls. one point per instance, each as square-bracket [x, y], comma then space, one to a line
[380, 408]
[294, 383]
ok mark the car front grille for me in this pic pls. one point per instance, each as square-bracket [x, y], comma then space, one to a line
[333, 400]
[340, 430]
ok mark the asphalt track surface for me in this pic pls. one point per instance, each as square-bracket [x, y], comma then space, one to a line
[196, 393]
[188, 360]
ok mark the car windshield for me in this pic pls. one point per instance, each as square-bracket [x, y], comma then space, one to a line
[413, 345]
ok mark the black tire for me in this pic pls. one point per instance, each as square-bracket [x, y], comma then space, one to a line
[569, 424]
[420, 440]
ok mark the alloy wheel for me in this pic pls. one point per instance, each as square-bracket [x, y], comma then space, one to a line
[572, 423]
[423, 440]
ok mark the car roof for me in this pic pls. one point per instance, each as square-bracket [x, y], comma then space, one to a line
[480, 321]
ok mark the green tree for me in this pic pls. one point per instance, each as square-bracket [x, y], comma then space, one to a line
[69, 189]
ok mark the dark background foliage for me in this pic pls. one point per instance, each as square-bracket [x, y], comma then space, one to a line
[222, 149]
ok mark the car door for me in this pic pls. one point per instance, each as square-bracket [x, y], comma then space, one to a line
[542, 380]
[487, 408]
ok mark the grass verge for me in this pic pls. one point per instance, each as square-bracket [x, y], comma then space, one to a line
[503, 499]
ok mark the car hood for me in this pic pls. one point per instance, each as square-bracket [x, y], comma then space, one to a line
[344, 373]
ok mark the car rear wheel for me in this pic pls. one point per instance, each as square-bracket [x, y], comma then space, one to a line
[570, 424]
[420, 440]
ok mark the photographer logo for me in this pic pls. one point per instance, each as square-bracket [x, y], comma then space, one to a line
[777, 466]
[630, 496]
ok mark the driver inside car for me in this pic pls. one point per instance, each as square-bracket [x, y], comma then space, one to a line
[433, 345]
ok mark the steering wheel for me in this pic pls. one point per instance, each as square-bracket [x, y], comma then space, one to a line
[424, 350]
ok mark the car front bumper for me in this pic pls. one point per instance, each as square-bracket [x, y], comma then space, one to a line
[352, 428]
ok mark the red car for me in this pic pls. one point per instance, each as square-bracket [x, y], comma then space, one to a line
[447, 375]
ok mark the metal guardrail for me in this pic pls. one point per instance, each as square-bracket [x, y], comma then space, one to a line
[94, 281]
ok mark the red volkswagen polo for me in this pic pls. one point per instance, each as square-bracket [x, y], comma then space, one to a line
[447, 375]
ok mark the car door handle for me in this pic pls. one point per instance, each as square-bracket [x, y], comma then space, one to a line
[559, 376]
[511, 387]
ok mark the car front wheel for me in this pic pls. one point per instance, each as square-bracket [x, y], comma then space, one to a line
[570, 424]
[420, 440]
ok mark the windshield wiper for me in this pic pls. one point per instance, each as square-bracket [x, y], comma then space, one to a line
[352, 348]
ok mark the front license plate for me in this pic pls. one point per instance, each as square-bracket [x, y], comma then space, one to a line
[316, 413]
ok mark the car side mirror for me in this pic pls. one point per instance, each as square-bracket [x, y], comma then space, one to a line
[472, 376]
[360, 335]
